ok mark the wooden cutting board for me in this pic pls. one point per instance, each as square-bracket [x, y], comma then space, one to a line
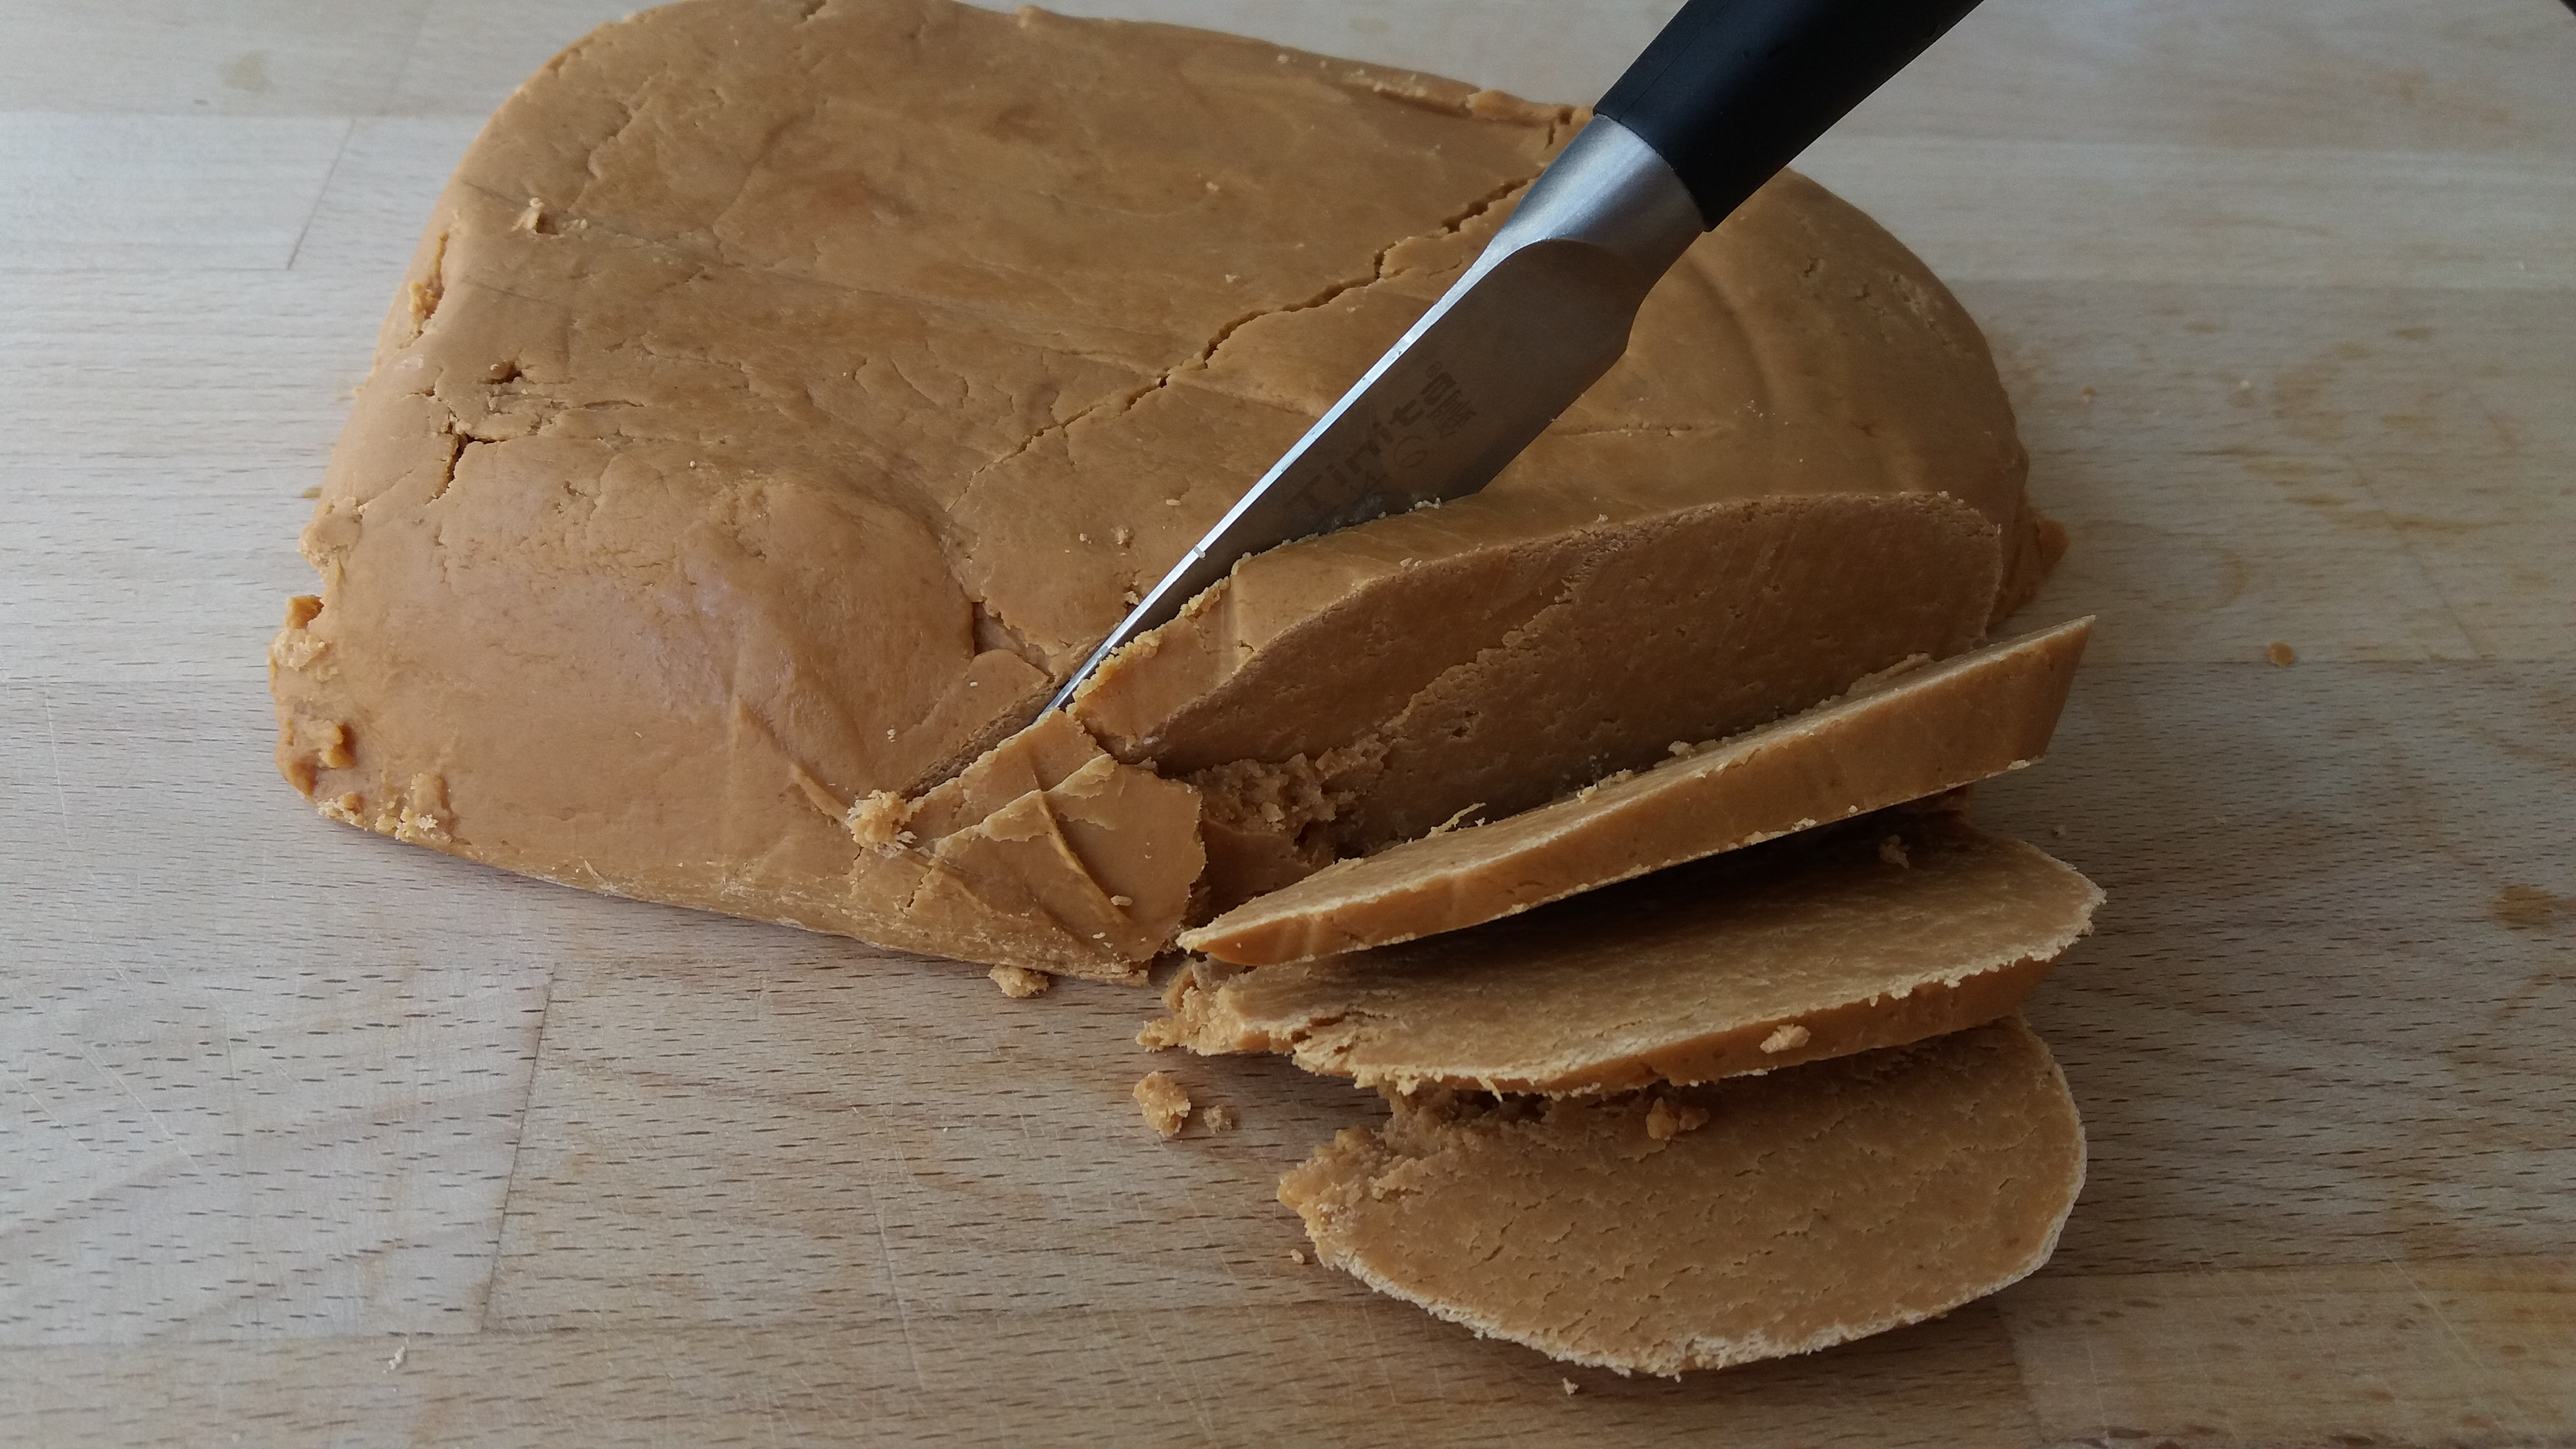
[310, 1138]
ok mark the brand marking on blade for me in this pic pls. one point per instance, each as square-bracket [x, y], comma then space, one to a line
[1358, 483]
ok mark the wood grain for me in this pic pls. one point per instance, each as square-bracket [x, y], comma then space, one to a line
[2101, 211]
[1369, 1372]
[255, 1086]
[309, 1138]
[2364, 473]
[2475, 1353]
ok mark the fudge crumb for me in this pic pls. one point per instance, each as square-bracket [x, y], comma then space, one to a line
[1297, 1256]
[1218, 1119]
[1570, 1386]
[877, 820]
[1019, 982]
[1664, 1121]
[334, 740]
[2281, 655]
[1165, 1103]
[1787, 1038]
[1445, 826]
[1892, 850]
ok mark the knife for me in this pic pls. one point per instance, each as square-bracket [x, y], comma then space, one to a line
[1717, 103]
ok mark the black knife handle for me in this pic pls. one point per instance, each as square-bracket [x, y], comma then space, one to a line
[1732, 89]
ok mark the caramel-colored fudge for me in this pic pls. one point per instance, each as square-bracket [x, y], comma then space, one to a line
[1696, 1227]
[787, 394]
[1165, 1103]
[784, 396]
[1900, 736]
[1044, 854]
[1499, 674]
[1885, 931]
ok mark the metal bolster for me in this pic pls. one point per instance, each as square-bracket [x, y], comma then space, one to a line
[1608, 189]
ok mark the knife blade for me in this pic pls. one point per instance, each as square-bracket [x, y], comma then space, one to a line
[1722, 98]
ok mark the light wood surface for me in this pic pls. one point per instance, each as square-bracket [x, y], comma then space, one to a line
[309, 1138]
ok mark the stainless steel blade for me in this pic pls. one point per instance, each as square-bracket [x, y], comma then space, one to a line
[1537, 319]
